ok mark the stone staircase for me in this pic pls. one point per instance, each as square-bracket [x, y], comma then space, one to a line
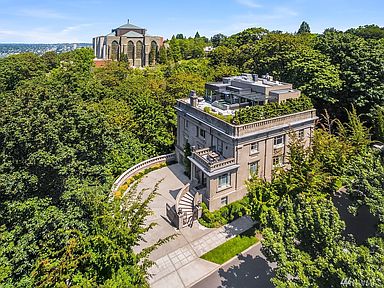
[186, 204]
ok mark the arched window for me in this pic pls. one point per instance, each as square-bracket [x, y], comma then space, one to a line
[115, 50]
[153, 53]
[131, 50]
[139, 50]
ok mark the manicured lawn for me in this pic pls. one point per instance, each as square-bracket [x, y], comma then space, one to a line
[232, 247]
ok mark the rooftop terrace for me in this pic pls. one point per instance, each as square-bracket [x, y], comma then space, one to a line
[249, 90]
[237, 130]
[247, 98]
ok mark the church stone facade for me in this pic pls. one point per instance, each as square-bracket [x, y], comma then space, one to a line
[128, 41]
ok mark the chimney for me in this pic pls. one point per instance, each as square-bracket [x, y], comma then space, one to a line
[193, 98]
[255, 77]
[128, 21]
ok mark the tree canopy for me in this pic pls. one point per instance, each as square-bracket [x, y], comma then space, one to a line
[68, 129]
[302, 228]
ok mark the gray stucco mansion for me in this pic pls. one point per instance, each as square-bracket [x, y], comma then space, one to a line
[130, 40]
[224, 155]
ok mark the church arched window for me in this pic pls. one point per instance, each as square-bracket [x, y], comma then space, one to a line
[139, 50]
[131, 50]
[115, 50]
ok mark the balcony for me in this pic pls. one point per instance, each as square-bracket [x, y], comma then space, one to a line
[211, 160]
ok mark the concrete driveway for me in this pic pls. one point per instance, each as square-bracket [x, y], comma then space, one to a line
[172, 180]
[177, 262]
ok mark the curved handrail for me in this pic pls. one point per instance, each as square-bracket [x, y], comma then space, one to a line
[180, 195]
[141, 166]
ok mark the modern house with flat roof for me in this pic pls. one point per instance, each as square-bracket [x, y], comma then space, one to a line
[130, 40]
[227, 148]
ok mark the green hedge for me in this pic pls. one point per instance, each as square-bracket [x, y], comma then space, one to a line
[232, 247]
[225, 214]
[270, 110]
[226, 118]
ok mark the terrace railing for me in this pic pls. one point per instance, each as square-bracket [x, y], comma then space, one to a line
[211, 166]
[244, 129]
[140, 167]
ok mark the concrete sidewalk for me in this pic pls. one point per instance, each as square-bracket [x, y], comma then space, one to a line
[182, 267]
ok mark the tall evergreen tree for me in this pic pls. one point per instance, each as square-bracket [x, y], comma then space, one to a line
[217, 39]
[304, 28]
[163, 57]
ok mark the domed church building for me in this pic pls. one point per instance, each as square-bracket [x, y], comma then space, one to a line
[128, 42]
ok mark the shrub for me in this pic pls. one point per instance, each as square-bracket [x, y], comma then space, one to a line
[207, 109]
[270, 110]
[226, 118]
[225, 214]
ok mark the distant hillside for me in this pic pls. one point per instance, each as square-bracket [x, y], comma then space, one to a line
[13, 48]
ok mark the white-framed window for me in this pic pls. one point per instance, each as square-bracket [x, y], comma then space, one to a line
[224, 201]
[278, 161]
[202, 133]
[255, 147]
[186, 123]
[301, 134]
[278, 141]
[224, 181]
[253, 168]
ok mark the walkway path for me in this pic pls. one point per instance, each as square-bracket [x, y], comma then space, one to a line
[183, 267]
[172, 180]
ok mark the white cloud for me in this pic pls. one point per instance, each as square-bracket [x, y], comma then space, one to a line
[6, 33]
[41, 13]
[75, 28]
[68, 34]
[285, 11]
[249, 3]
[274, 18]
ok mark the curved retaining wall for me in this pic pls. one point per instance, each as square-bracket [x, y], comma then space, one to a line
[142, 166]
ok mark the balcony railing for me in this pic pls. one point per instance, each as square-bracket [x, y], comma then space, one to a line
[202, 156]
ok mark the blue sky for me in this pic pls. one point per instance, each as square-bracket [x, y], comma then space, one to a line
[54, 21]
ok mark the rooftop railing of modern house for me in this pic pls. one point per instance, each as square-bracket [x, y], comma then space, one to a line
[211, 166]
[244, 129]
